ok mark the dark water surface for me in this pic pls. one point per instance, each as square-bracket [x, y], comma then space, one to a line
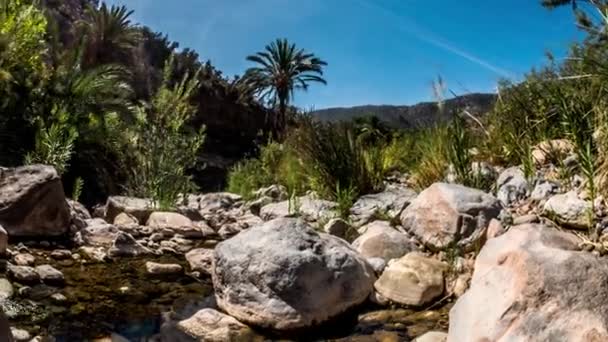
[119, 297]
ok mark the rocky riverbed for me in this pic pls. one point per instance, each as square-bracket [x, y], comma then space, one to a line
[121, 298]
[450, 263]
[99, 298]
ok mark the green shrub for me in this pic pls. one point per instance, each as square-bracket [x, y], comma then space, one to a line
[163, 148]
[292, 174]
[457, 152]
[246, 177]
[54, 143]
[77, 189]
[431, 163]
[331, 155]
[345, 197]
[277, 164]
[399, 154]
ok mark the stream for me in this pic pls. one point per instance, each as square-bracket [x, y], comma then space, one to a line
[119, 297]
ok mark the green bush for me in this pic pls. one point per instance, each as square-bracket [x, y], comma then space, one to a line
[332, 157]
[399, 154]
[431, 163]
[345, 197]
[162, 147]
[247, 176]
[54, 143]
[277, 164]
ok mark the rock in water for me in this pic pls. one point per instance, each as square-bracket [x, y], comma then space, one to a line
[532, 284]
[412, 280]
[200, 260]
[154, 268]
[32, 202]
[20, 335]
[24, 259]
[126, 246]
[177, 223]
[140, 208]
[208, 325]
[284, 275]
[49, 274]
[6, 289]
[23, 274]
[78, 215]
[97, 233]
[447, 214]
[124, 219]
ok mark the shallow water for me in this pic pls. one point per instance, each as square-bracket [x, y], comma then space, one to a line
[119, 297]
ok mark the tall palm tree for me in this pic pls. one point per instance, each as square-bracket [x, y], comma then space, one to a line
[109, 35]
[282, 69]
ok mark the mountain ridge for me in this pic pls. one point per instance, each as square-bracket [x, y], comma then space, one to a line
[421, 114]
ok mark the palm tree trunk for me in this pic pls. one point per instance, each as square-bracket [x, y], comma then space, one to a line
[281, 119]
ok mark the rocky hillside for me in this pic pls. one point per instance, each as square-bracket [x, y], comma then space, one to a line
[419, 115]
[232, 119]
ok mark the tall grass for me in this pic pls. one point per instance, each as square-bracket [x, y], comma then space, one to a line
[431, 163]
[331, 156]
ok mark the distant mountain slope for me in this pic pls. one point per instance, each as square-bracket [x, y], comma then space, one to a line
[422, 114]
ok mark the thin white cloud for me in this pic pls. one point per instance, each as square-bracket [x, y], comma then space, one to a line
[409, 26]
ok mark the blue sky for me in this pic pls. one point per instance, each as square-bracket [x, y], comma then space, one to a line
[379, 51]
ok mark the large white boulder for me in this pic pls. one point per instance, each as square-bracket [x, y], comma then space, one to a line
[445, 215]
[32, 202]
[284, 275]
[532, 284]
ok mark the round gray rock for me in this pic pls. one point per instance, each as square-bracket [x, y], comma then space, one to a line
[284, 275]
[380, 240]
[449, 214]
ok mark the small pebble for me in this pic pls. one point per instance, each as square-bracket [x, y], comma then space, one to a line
[59, 298]
[20, 335]
[6, 289]
[24, 291]
[22, 248]
[49, 274]
[156, 237]
[61, 254]
[23, 274]
[24, 259]
[154, 268]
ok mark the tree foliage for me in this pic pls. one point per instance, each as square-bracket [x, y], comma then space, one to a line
[281, 69]
[163, 147]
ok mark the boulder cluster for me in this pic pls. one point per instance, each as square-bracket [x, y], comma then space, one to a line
[512, 274]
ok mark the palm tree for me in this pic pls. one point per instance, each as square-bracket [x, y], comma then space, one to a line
[109, 35]
[282, 69]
